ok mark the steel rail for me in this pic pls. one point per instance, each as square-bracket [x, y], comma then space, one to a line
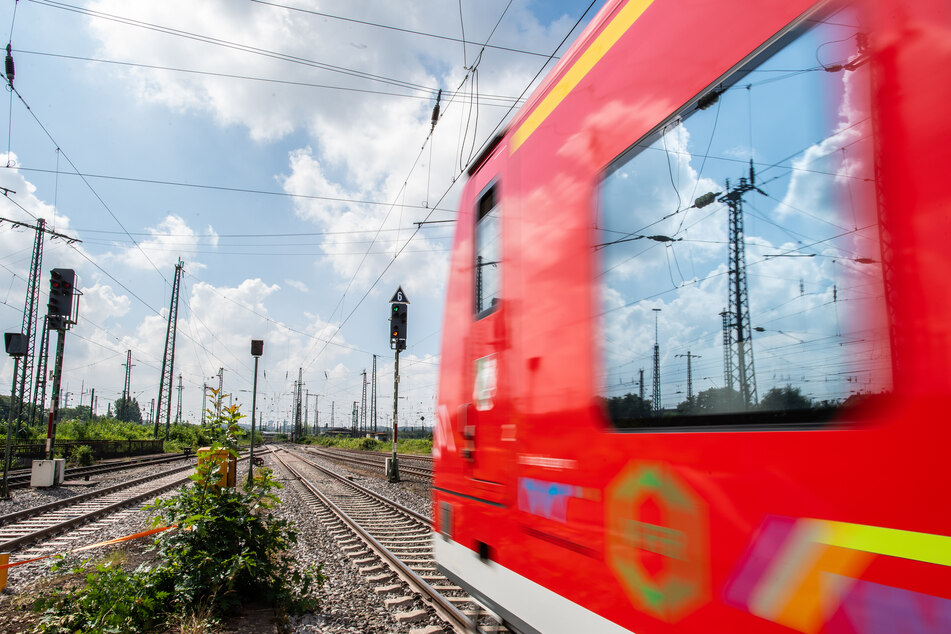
[370, 460]
[70, 501]
[82, 519]
[443, 607]
[65, 525]
[21, 478]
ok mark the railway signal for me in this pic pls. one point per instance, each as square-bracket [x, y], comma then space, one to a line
[399, 312]
[61, 294]
[399, 306]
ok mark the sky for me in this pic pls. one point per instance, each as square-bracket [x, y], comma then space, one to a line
[284, 152]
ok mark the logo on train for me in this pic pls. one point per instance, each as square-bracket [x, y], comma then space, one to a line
[657, 543]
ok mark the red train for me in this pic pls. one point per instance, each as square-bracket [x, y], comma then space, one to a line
[694, 372]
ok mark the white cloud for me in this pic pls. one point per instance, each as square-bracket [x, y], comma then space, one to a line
[297, 284]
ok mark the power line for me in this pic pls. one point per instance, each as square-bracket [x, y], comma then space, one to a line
[76, 169]
[501, 99]
[240, 190]
[402, 30]
[236, 46]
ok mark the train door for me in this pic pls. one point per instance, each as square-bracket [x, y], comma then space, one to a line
[487, 412]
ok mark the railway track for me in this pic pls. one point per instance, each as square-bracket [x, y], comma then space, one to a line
[420, 467]
[20, 478]
[390, 543]
[28, 526]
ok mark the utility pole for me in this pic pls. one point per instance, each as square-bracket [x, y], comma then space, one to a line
[306, 407]
[152, 412]
[126, 387]
[221, 386]
[641, 388]
[92, 405]
[363, 405]
[689, 375]
[333, 418]
[178, 411]
[168, 359]
[297, 403]
[355, 419]
[373, 396]
[655, 400]
[204, 400]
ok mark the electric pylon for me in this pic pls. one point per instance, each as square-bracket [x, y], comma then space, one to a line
[727, 325]
[168, 360]
[655, 401]
[24, 378]
[744, 373]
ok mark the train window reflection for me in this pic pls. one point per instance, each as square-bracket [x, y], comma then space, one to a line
[488, 253]
[740, 267]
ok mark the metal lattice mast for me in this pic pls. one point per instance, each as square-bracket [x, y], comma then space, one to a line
[363, 404]
[42, 359]
[739, 303]
[373, 395]
[168, 360]
[655, 401]
[24, 380]
[727, 325]
[126, 386]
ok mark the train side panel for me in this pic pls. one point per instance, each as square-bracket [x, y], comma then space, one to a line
[559, 520]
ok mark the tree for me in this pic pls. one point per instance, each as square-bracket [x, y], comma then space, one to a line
[785, 398]
[716, 400]
[127, 409]
[627, 407]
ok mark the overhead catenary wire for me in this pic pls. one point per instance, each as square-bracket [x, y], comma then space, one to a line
[491, 100]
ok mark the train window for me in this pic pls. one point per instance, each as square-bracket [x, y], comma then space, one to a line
[740, 268]
[488, 252]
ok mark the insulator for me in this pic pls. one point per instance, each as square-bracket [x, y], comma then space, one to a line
[9, 65]
[435, 116]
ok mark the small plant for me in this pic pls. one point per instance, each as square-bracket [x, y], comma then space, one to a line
[82, 455]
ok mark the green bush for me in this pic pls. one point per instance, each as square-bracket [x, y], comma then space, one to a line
[82, 455]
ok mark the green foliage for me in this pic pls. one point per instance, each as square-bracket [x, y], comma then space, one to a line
[226, 548]
[82, 455]
[628, 407]
[101, 429]
[785, 398]
[415, 445]
[409, 445]
[112, 600]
